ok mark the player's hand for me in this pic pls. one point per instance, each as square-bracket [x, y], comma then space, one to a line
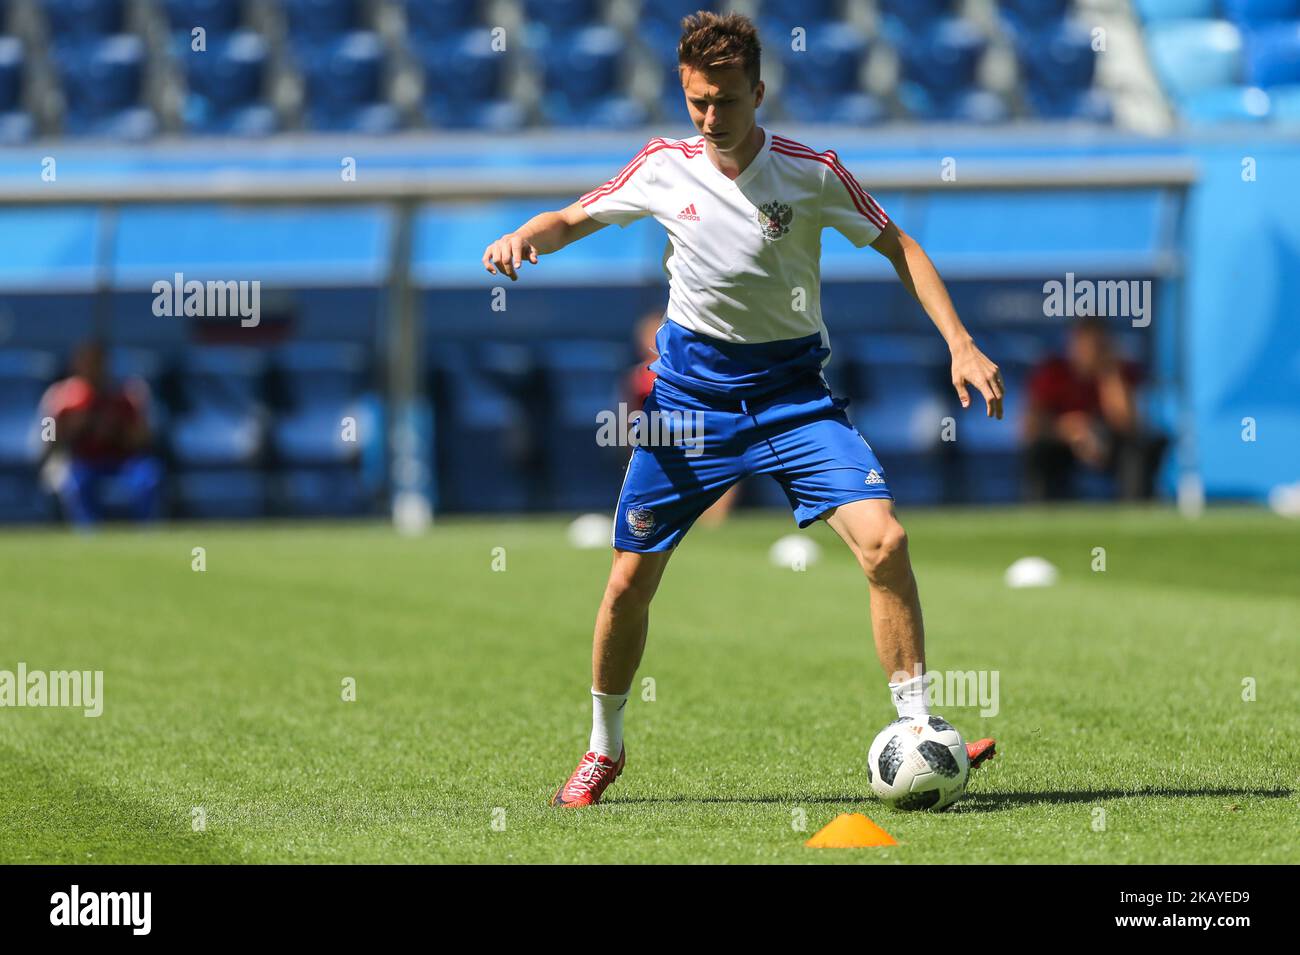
[508, 253]
[970, 366]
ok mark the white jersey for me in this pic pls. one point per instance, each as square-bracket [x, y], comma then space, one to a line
[744, 254]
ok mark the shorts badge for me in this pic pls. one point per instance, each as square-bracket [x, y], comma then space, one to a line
[640, 521]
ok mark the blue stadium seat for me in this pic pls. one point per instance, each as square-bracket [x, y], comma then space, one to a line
[16, 125]
[943, 58]
[583, 379]
[846, 109]
[1058, 58]
[318, 21]
[1091, 105]
[321, 383]
[583, 66]
[831, 63]
[464, 83]
[1155, 11]
[74, 21]
[345, 85]
[483, 435]
[1226, 104]
[23, 499]
[1193, 55]
[901, 20]
[1248, 13]
[561, 15]
[981, 107]
[24, 376]
[221, 421]
[434, 19]
[1273, 55]
[215, 16]
[582, 81]
[225, 86]
[321, 492]
[221, 494]
[102, 84]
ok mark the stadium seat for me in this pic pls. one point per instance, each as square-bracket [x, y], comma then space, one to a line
[659, 27]
[320, 492]
[831, 63]
[1248, 13]
[102, 83]
[1226, 104]
[16, 125]
[214, 16]
[221, 494]
[1193, 55]
[464, 83]
[1273, 55]
[902, 20]
[484, 440]
[1058, 58]
[428, 20]
[582, 81]
[24, 376]
[319, 21]
[561, 15]
[225, 86]
[1156, 11]
[221, 421]
[344, 82]
[23, 499]
[320, 384]
[76, 21]
[584, 65]
[846, 109]
[582, 380]
[943, 58]
[1090, 105]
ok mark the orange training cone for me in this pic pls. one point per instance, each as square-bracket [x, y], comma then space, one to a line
[850, 830]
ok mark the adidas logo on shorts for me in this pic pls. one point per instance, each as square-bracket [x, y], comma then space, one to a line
[873, 477]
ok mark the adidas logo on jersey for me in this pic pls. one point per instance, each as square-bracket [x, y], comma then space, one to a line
[689, 214]
[873, 477]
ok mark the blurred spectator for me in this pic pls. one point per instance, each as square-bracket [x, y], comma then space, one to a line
[636, 388]
[1083, 412]
[101, 434]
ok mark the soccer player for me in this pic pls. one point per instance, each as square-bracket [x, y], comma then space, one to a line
[741, 350]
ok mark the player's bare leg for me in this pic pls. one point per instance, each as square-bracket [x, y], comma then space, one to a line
[873, 533]
[878, 541]
[622, 623]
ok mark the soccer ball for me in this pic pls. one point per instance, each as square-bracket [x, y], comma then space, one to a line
[918, 763]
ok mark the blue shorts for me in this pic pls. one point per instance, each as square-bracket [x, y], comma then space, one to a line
[801, 437]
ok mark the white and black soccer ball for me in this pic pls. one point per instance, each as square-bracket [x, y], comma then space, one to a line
[918, 763]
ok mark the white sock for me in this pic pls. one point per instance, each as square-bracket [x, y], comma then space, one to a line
[607, 723]
[910, 697]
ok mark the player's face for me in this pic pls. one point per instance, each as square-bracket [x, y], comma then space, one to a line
[722, 104]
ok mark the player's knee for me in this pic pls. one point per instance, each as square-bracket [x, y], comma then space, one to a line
[884, 556]
[630, 588]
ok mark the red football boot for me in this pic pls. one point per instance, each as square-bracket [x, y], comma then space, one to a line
[980, 751]
[589, 780]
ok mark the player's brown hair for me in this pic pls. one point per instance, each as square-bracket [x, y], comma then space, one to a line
[714, 41]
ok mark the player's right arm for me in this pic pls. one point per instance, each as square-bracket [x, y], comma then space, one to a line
[542, 234]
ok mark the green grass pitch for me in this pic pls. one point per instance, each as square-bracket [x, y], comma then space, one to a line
[1122, 730]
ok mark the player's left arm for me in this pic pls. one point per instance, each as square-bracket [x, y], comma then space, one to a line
[970, 366]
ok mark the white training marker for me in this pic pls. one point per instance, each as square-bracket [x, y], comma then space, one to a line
[1031, 572]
